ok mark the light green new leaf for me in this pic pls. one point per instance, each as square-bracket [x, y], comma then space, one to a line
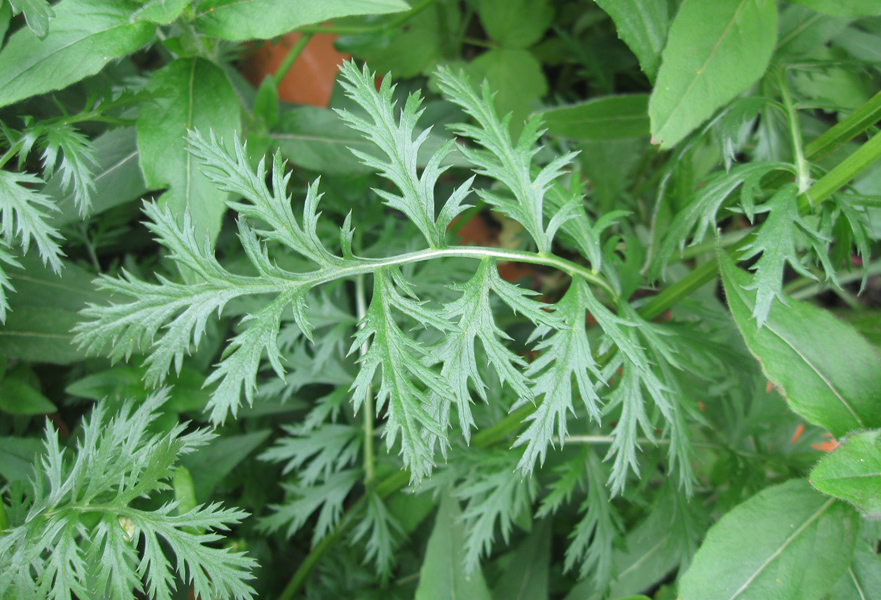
[788, 543]
[443, 575]
[37, 13]
[515, 23]
[606, 118]
[190, 93]
[715, 50]
[642, 24]
[86, 35]
[843, 8]
[828, 373]
[852, 472]
[238, 21]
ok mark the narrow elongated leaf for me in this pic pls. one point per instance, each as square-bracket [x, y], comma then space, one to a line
[237, 21]
[191, 93]
[86, 35]
[843, 8]
[642, 24]
[443, 575]
[788, 543]
[715, 50]
[852, 472]
[526, 576]
[607, 118]
[828, 372]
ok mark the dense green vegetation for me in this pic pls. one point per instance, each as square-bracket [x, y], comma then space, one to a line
[570, 299]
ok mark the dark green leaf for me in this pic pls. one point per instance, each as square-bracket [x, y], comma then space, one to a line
[828, 373]
[18, 456]
[525, 576]
[788, 543]
[190, 94]
[86, 35]
[516, 79]
[607, 118]
[20, 398]
[515, 23]
[642, 24]
[37, 13]
[852, 472]
[211, 463]
[715, 51]
[862, 581]
[443, 575]
[262, 19]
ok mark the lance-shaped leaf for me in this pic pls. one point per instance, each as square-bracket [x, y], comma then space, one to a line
[394, 139]
[86, 35]
[457, 350]
[788, 542]
[403, 374]
[564, 355]
[507, 162]
[189, 93]
[263, 19]
[642, 24]
[443, 575]
[828, 373]
[715, 51]
[852, 472]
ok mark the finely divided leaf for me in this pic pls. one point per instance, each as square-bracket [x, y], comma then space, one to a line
[563, 355]
[394, 138]
[77, 162]
[507, 162]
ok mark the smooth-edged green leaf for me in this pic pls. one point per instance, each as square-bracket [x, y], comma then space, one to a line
[5, 18]
[606, 118]
[788, 542]
[525, 574]
[862, 580]
[515, 23]
[17, 457]
[443, 575]
[37, 13]
[266, 102]
[117, 177]
[852, 472]
[44, 310]
[20, 398]
[828, 373]
[189, 94]
[316, 139]
[516, 79]
[715, 50]
[162, 12]
[86, 35]
[843, 8]
[237, 21]
[642, 24]
[212, 462]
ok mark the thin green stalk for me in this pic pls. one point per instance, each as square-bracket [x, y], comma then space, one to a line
[843, 172]
[802, 169]
[369, 460]
[291, 57]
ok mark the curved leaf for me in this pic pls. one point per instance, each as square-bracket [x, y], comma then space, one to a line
[828, 372]
[607, 118]
[86, 35]
[852, 472]
[788, 543]
[715, 50]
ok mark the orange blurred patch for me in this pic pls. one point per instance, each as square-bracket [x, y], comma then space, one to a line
[310, 80]
[827, 446]
[798, 431]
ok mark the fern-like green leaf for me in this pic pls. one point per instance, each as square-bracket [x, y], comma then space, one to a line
[326, 449]
[394, 139]
[80, 534]
[382, 532]
[77, 163]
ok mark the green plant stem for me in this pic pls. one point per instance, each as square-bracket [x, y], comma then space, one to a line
[291, 57]
[843, 172]
[803, 170]
[342, 30]
[369, 460]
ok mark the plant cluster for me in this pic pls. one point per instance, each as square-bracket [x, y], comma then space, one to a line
[624, 385]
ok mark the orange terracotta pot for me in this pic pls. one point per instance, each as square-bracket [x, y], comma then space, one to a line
[310, 80]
